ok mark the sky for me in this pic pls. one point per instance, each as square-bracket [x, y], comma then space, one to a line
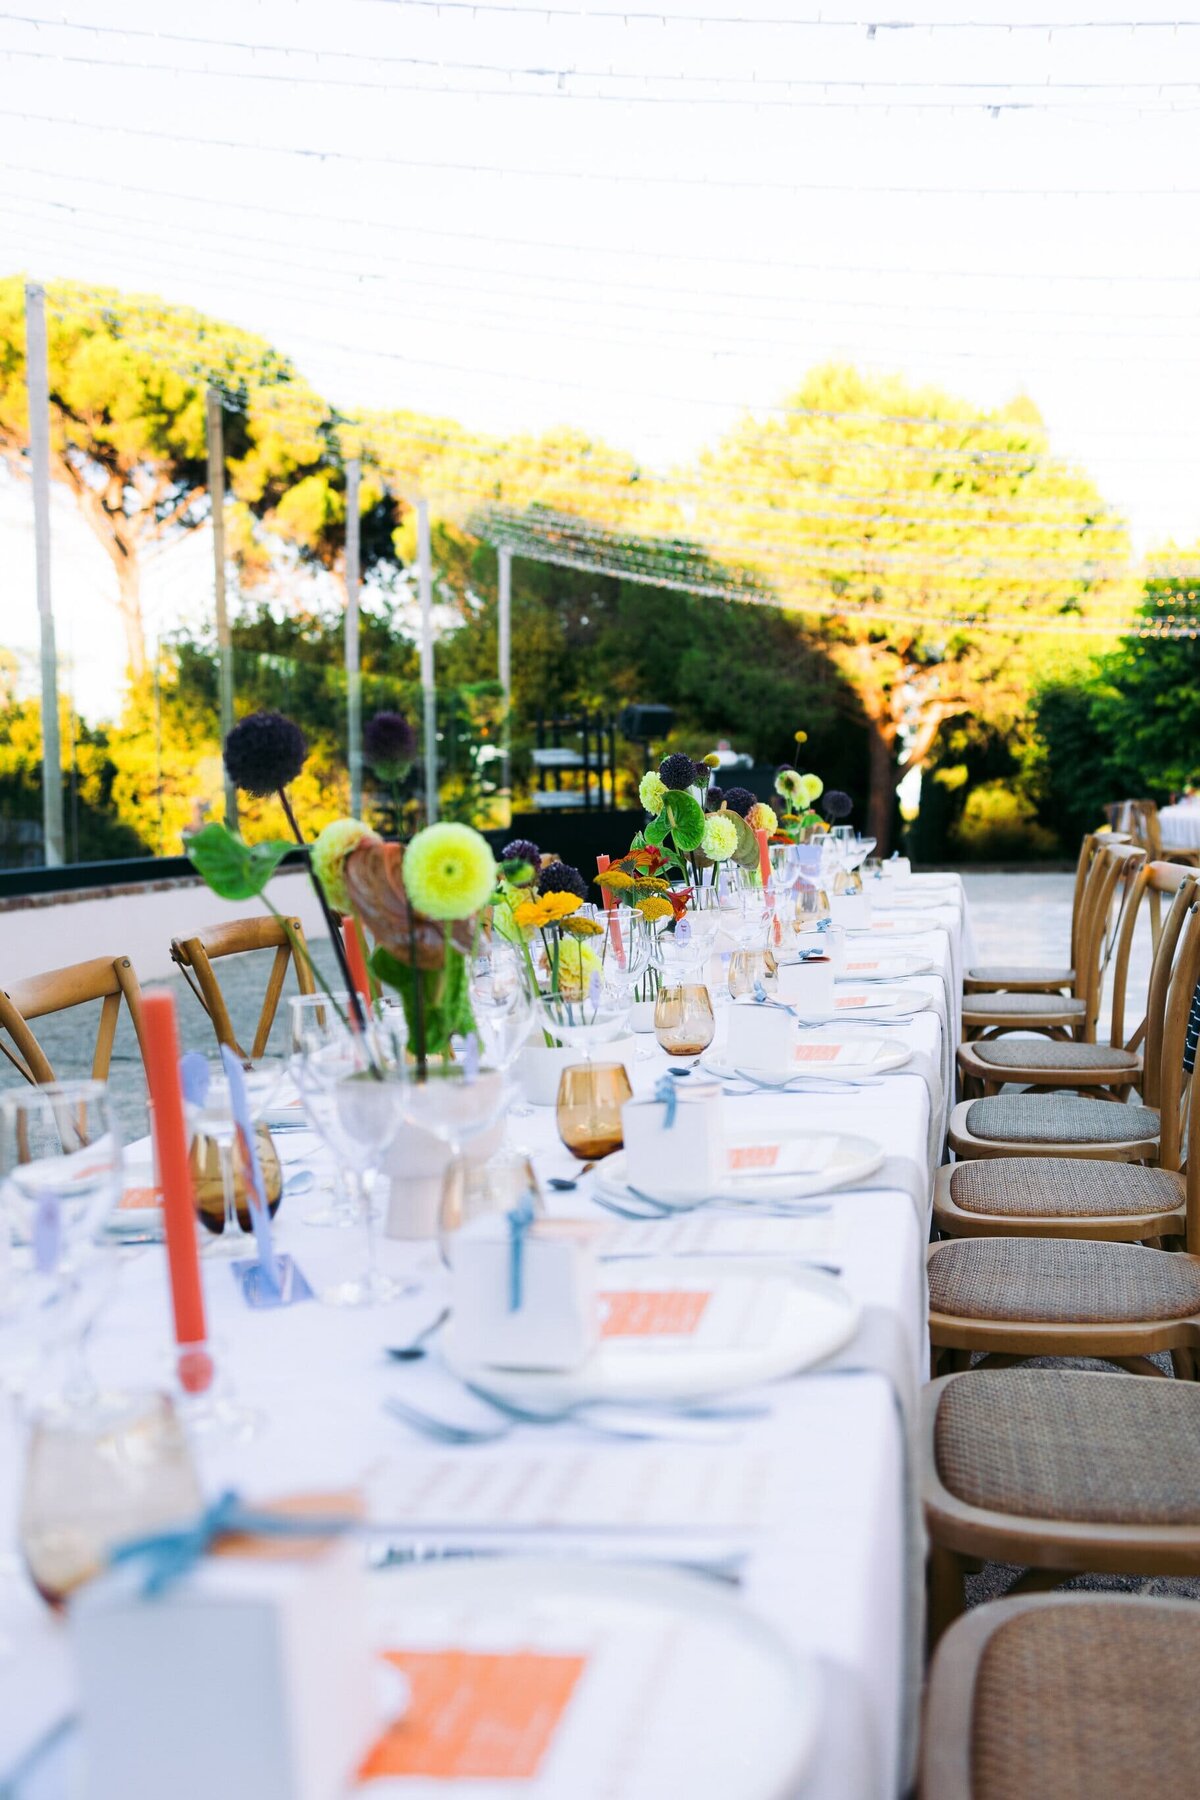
[642, 224]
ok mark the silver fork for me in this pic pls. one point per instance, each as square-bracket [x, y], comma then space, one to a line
[705, 1428]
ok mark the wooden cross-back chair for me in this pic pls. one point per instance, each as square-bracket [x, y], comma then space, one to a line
[1021, 978]
[1111, 1070]
[1146, 829]
[1061, 1016]
[108, 979]
[195, 957]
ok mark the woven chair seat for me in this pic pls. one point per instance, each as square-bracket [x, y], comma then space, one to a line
[1088, 1702]
[1058, 1119]
[1042, 1053]
[1062, 1187]
[1064, 1444]
[1015, 972]
[1061, 1281]
[1030, 1006]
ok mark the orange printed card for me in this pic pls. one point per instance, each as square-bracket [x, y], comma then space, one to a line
[845, 1001]
[646, 1313]
[817, 1052]
[861, 965]
[139, 1198]
[475, 1717]
[743, 1157]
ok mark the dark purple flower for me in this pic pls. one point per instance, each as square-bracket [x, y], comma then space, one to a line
[263, 752]
[561, 878]
[677, 771]
[714, 800]
[521, 850]
[700, 774]
[739, 800]
[389, 745]
[837, 804]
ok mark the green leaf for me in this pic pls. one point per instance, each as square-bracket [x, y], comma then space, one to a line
[746, 854]
[656, 831]
[446, 1004]
[686, 818]
[229, 866]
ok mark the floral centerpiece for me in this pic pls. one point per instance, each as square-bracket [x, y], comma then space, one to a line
[800, 821]
[421, 903]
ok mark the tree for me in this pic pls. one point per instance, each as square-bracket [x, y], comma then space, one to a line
[128, 379]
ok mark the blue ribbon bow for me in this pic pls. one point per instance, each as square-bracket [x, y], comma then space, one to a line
[519, 1220]
[668, 1093]
[169, 1555]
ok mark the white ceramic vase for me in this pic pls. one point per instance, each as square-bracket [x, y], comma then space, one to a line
[539, 1067]
[415, 1168]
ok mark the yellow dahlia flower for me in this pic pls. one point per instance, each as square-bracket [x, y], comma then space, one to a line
[329, 852]
[720, 837]
[761, 817]
[811, 789]
[449, 872]
[652, 791]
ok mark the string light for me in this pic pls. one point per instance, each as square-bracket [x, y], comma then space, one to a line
[633, 16]
[550, 171]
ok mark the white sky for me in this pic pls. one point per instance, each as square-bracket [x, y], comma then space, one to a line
[657, 266]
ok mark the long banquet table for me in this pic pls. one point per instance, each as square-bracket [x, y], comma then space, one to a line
[834, 1560]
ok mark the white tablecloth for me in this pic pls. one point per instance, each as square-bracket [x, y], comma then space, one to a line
[1180, 825]
[834, 1573]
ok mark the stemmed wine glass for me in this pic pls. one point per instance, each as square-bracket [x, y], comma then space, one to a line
[61, 1162]
[353, 1089]
[501, 1004]
[318, 1020]
[212, 1117]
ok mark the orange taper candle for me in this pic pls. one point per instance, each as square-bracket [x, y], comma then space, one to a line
[356, 960]
[610, 901]
[764, 858]
[179, 1216]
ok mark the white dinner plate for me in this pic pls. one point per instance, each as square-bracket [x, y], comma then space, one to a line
[652, 1683]
[138, 1213]
[923, 893]
[862, 965]
[867, 1000]
[748, 1320]
[820, 1058]
[845, 1158]
[907, 926]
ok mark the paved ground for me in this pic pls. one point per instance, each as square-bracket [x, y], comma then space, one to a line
[1020, 918]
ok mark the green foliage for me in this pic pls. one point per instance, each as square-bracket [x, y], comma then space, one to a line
[445, 1008]
[231, 867]
[998, 825]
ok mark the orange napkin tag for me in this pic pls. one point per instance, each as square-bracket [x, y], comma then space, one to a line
[752, 1156]
[817, 1052]
[644, 1313]
[475, 1717]
[845, 1001]
[861, 965]
[138, 1198]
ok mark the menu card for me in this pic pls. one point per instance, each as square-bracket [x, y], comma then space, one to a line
[474, 1716]
[697, 1234]
[782, 1156]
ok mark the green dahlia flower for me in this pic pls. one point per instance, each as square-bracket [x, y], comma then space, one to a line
[449, 872]
[652, 791]
[329, 852]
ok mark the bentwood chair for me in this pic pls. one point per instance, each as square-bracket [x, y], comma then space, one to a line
[108, 979]
[1024, 978]
[1065, 1697]
[195, 957]
[1019, 1297]
[1111, 1069]
[1074, 1015]
[1039, 1123]
[1146, 829]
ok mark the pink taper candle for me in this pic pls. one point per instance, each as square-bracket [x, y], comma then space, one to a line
[179, 1216]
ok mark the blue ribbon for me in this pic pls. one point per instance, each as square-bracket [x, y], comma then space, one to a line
[668, 1093]
[169, 1555]
[824, 924]
[519, 1221]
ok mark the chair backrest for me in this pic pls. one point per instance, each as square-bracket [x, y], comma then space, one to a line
[104, 978]
[196, 956]
[1109, 881]
[1152, 881]
[1180, 1034]
[1145, 828]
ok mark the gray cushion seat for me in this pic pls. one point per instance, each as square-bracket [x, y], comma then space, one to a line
[1015, 972]
[1091, 1701]
[1068, 1444]
[1044, 1053]
[1058, 1119]
[1063, 1187]
[1061, 1281]
[1031, 1006]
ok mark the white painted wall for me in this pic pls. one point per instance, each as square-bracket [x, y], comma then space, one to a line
[138, 925]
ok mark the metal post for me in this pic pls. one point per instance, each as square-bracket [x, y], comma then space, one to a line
[216, 495]
[38, 384]
[504, 659]
[428, 692]
[353, 663]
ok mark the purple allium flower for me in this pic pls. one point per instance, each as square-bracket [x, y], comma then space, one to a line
[521, 850]
[838, 805]
[561, 878]
[389, 745]
[263, 752]
[677, 771]
[739, 800]
[714, 800]
[700, 774]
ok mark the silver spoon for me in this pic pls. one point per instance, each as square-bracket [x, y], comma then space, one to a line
[415, 1347]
